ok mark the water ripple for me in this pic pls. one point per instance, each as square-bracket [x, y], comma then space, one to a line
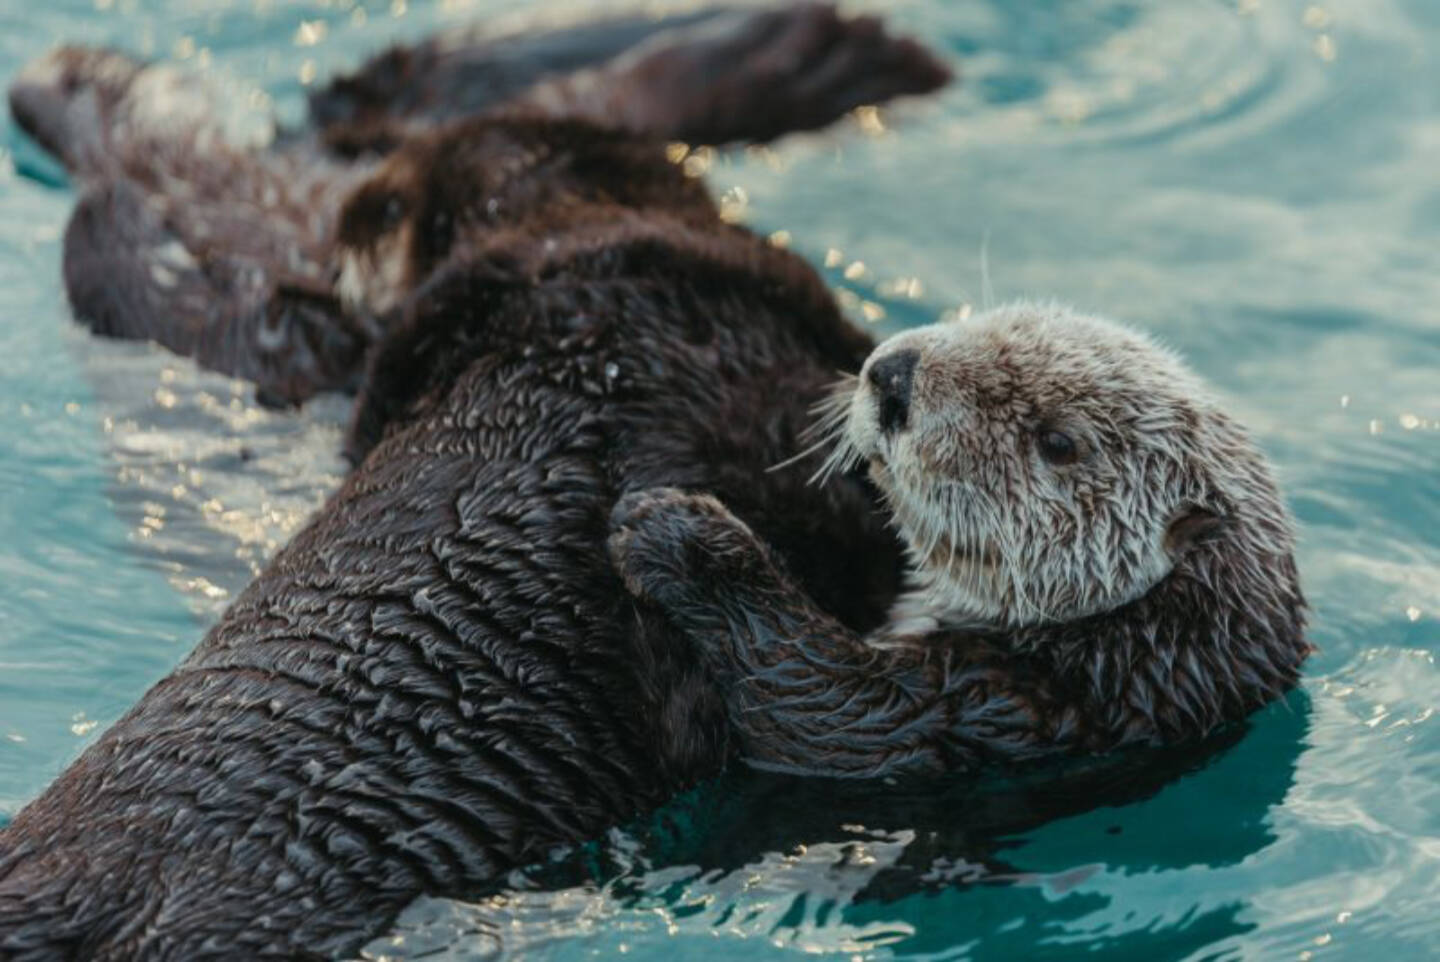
[1251, 180]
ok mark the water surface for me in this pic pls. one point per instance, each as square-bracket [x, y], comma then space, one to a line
[1253, 182]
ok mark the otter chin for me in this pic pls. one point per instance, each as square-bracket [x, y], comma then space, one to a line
[1098, 556]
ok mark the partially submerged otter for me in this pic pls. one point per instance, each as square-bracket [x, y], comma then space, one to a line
[1098, 557]
[441, 678]
[204, 229]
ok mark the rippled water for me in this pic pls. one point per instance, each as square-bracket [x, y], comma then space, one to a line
[1253, 181]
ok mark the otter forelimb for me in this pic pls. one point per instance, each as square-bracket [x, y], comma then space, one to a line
[804, 693]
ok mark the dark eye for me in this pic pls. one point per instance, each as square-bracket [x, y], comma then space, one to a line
[390, 217]
[1057, 447]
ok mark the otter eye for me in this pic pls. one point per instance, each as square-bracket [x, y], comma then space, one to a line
[1057, 447]
[394, 210]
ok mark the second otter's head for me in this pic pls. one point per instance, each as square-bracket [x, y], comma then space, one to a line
[1045, 466]
[375, 239]
[456, 188]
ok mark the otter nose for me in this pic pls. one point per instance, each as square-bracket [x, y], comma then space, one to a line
[893, 376]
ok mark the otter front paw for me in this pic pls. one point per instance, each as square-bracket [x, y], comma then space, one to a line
[679, 549]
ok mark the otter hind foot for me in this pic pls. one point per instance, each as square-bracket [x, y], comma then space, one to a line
[763, 75]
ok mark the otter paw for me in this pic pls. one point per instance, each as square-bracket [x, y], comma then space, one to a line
[676, 548]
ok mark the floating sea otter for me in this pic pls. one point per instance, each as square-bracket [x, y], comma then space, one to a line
[196, 231]
[441, 677]
[1098, 557]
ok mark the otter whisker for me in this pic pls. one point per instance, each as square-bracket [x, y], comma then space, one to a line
[831, 409]
[831, 414]
[838, 393]
[843, 458]
[796, 459]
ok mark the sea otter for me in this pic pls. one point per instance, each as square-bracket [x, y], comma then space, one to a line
[441, 678]
[205, 229]
[470, 183]
[1098, 556]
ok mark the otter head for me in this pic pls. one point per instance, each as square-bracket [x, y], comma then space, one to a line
[1045, 466]
[525, 177]
[375, 237]
[400, 224]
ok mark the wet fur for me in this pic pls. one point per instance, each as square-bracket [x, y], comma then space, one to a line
[471, 182]
[215, 247]
[441, 678]
[218, 242]
[1146, 593]
[467, 71]
[710, 76]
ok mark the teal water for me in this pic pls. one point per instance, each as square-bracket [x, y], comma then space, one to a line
[1255, 182]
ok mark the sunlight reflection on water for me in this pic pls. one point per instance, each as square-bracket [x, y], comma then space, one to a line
[1251, 181]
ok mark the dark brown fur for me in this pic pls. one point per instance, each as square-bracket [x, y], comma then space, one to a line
[714, 76]
[1217, 638]
[480, 182]
[256, 226]
[441, 677]
[204, 280]
[465, 72]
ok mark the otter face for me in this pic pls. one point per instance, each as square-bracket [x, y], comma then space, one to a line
[373, 245]
[1042, 466]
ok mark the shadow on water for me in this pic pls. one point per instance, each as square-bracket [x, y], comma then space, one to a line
[820, 865]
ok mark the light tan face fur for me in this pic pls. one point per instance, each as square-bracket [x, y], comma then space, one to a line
[1000, 533]
[375, 234]
[372, 278]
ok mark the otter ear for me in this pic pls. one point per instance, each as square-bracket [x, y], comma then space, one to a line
[1193, 525]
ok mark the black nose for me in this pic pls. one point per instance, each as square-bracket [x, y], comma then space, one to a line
[893, 376]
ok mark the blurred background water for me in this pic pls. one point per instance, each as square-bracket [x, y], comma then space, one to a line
[1253, 181]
